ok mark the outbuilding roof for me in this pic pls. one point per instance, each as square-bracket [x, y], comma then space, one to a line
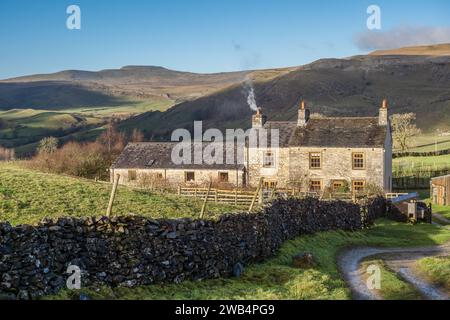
[158, 155]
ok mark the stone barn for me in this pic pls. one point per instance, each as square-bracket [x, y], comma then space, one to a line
[150, 164]
[440, 190]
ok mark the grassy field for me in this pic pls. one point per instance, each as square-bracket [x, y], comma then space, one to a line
[408, 165]
[276, 278]
[27, 196]
[429, 143]
[420, 166]
[24, 127]
[392, 286]
[436, 270]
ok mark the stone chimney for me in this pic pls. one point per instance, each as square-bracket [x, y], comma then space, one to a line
[303, 115]
[258, 119]
[383, 117]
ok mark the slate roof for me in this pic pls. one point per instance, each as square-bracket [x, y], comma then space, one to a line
[332, 132]
[318, 133]
[158, 155]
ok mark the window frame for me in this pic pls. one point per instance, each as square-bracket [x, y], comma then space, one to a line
[311, 158]
[363, 154]
[132, 175]
[186, 173]
[272, 156]
[357, 181]
[311, 183]
[270, 184]
[225, 174]
[333, 187]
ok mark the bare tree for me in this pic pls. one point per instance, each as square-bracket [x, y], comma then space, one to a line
[7, 154]
[112, 139]
[48, 145]
[403, 129]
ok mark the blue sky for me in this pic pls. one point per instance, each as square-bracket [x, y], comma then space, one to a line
[205, 36]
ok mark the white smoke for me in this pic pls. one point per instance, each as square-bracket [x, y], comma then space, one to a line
[250, 91]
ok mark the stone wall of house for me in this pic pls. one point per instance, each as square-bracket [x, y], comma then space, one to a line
[279, 173]
[175, 177]
[130, 250]
[337, 165]
[388, 161]
[293, 165]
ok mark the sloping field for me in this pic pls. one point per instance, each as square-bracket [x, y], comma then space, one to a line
[27, 196]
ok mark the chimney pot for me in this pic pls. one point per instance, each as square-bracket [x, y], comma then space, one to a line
[303, 115]
[302, 105]
[258, 119]
[383, 117]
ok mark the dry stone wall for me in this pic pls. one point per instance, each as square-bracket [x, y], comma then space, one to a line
[130, 250]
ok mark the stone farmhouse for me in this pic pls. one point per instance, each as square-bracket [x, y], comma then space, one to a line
[313, 154]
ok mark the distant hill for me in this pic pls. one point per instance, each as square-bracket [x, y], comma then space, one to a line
[74, 88]
[431, 50]
[335, 87]
[353, 86]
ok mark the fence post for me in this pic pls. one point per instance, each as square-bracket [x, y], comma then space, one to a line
[255, 195]
[235, 196]
[205, 201]
[113, 194]
[179, 190]
[261, 196]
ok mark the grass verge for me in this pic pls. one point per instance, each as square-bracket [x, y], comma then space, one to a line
[392, 286]
[442, 210]
[436, 270]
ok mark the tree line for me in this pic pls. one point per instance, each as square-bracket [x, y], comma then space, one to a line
[84, 159]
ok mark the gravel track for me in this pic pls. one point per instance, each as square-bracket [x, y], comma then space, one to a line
[398, 259]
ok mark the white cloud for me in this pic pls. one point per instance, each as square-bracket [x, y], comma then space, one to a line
[402, 37]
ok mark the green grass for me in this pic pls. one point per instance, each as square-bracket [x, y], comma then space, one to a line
[442, 210]
[28, 126]
[27, 196]
[276, 278]
[409, 165]
[125, 109]
[392, 286]
[429, 142]
[436, 270]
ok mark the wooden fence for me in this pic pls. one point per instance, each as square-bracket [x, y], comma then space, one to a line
[235, 197]
[244, 197]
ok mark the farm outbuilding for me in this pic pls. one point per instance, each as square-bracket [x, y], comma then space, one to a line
[440, 190]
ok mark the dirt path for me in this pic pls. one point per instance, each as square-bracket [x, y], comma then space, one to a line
[398, 259]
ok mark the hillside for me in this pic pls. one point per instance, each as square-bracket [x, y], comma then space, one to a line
[76, 104]
[334, 87]
[131, 84]
[431, 50]
[73, 197]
